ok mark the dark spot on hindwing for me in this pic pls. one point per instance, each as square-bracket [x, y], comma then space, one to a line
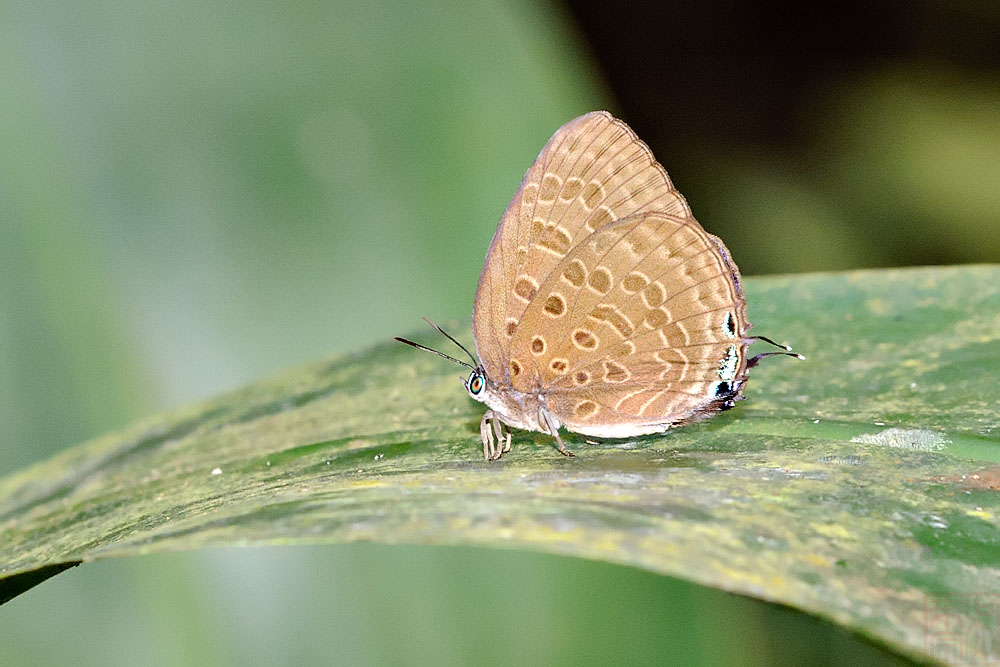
[555, 305]
[537, 345]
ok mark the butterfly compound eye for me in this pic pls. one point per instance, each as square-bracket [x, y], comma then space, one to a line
[476, 383]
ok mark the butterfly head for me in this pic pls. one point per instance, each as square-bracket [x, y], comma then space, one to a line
[477, 383]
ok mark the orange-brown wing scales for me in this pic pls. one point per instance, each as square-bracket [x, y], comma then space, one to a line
[654, 389]
[635, 411]
[494, 314]
[647, 311]
[592, 172]
[605, 174]
[643, 283]
[601, 292]
[555, 327]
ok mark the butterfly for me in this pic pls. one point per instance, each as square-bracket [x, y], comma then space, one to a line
[603, 307]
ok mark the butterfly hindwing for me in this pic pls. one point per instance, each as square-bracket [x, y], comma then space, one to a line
[639, 323]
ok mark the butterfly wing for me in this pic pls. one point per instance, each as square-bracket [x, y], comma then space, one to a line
[592, 172]
[640, 326]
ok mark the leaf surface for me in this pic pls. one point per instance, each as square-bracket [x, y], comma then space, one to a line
[862, 485]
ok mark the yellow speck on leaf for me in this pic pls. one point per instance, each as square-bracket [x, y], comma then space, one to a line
[831, 530]
[817, 560]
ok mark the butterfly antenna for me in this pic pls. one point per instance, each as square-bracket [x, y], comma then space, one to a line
[440, 354]
[452, 339]
[786, 348]
[756, 360]
[787, 351]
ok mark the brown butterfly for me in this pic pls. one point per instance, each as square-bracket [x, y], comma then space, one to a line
[604, 307]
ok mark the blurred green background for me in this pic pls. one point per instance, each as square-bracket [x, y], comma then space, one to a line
[195, 195]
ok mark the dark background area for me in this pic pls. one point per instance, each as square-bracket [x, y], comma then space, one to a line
[828, 96]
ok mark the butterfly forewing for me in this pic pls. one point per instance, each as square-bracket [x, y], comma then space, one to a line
[592, 172]
[492, 328]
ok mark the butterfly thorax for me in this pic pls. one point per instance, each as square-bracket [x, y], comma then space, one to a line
[515, 408]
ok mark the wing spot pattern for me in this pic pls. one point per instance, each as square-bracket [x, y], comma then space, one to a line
[549, 188]
[593, 194]
[525, 288]
[585, 340]
[654, 294]
[600, 280]
[655, 318]
[611, 315]
[571, 189]
[729, 325]
[537, 345]
[558, 240]
[575, 273]
[625, 349]
[601, 217]
[529, 194]
[635, 281]
[615, 372]
[555, 305]
[585, 410]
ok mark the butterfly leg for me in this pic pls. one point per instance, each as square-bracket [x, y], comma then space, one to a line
[493, 432]
[554, 431]
[486, 433]
[500, 429]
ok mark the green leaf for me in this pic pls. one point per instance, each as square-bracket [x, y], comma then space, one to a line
[860, 485]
